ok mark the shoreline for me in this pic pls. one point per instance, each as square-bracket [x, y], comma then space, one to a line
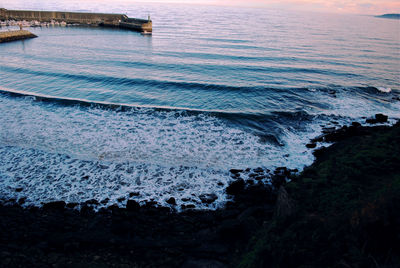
[152, 236]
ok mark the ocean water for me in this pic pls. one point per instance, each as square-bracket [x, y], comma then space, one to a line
[95, 113]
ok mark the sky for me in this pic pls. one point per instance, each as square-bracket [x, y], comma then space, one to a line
[368, 7]
[374, 7]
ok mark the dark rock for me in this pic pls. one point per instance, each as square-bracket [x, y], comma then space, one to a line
[208, 198]
[134, 194]
[327, 130]
[285, 206]
[72, 205]
[85, 177]
[92, 202]
[381, 118]
[171, 201]
[86, 210]
[235, 171]
[56, 205]
[105, 201]
[235, 187]
[22, 200]
[121, 199]
[356, 124]
[132, 205]
[186, 199]
[258, 170]
[202, 263]
[19, 189]
[188, 206]
[278, 180]
[311, 145]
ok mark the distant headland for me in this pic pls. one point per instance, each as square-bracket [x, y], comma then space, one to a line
[389, 16]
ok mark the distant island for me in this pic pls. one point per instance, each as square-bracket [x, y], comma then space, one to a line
[389, 16]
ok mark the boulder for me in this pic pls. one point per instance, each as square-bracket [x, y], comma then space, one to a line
[171, 201]
[235, 171]
[208, 198]
[56, 205]
[132, 205]
[235, 187]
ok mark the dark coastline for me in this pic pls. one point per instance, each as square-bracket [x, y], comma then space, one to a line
[343, 211]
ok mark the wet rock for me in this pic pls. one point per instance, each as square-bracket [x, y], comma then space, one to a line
[311, 145]
[56, 205]
[72, 205]
[327, 130]
[105, 201]
[186, 199]
[235, 171]
[22, 200]
[188, 206]
[92, 202]
[208, 198]
[19, 189]
[121, 199]
[258, 170]
[355, 124]
[379, 118]
[86, 210]
[235, 187]
[134, 194]
[171, 201]
[85, 177]
[132, 205]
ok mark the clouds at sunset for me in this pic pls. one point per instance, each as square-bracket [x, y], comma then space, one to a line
[342, 6]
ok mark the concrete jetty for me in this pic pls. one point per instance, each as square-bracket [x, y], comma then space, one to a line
[94, 19]
[15, 35]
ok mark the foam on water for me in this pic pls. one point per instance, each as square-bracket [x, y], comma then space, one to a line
[77, 153]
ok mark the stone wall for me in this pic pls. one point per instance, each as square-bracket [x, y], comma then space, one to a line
[69, 17]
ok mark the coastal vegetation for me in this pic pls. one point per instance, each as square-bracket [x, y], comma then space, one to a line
[344, 209]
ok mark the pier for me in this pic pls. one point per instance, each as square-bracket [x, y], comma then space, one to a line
[93, 19]
[15, 35]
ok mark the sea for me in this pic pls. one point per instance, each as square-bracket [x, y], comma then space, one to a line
[109, 114]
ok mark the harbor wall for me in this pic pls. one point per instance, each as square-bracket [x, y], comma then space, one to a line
[15, 35]
[68, 17]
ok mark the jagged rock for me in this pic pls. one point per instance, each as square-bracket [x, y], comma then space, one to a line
[189, 206]
[171, 201]
[134, 194]
[56, 205]
[285, 206]
[132, 205]
[235, 171]
[235, 187]
[92, 202]
[379, 118]
[311, 145]
[208, 198]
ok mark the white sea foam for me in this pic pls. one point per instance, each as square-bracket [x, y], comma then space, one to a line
[75, 153]
[384, 89]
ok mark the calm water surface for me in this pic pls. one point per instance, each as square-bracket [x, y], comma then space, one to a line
[213, 88]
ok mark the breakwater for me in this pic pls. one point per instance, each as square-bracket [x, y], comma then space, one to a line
[94, 19]
[15, 35]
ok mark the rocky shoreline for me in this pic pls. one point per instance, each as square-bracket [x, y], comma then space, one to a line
[57, 235]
